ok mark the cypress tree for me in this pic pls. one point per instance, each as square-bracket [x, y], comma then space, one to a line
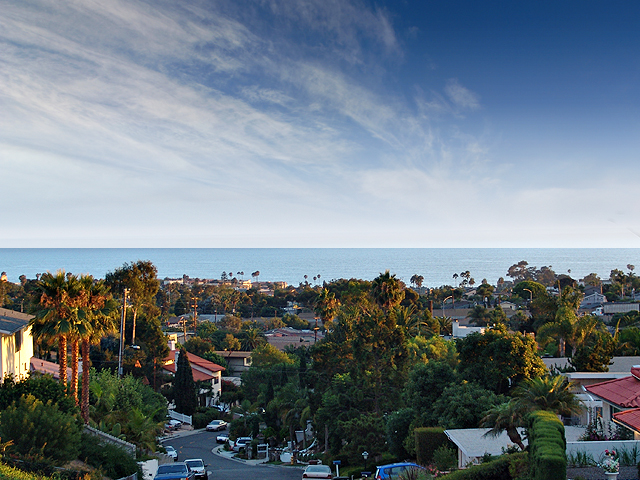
[184, 387]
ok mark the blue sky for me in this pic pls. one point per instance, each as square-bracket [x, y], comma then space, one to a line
[323, 123]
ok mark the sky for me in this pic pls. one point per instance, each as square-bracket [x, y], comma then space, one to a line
[319, 123]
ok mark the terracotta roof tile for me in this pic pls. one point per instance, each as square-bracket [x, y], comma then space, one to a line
[630, 418]
[623, 392]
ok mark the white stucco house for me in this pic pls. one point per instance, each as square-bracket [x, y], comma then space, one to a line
[16, 344]
[202, 370]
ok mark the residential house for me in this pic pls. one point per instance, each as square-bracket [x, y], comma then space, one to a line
[619, 397]
[460, 331]
[16, 344]
[237, 362]
[203, 371]
[592, 301]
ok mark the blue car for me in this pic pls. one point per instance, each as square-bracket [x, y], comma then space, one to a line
[393, 470]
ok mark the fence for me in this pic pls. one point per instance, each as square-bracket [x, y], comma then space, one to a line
[105, 437]
[179, 416]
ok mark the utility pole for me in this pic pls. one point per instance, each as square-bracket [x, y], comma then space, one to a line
[195, 314]
[123, 318]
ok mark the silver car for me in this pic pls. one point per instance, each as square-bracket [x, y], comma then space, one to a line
[198, 467]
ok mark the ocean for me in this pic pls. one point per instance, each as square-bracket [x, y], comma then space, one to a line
[436, 265]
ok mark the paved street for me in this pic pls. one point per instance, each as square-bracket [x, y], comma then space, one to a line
[201, 444]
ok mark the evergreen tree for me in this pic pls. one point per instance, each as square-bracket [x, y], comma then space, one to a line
[184, 386]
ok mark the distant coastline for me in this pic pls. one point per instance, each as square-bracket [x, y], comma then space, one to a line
[290, 265]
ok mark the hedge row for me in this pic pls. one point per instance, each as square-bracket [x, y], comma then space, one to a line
[547, 447]
[505, 467]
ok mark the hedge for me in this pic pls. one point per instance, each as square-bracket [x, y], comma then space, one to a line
[547, 447]
[428, 440]
[505, 467]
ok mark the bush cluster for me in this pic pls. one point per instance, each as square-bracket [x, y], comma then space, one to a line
[428, 440]
[113, 461]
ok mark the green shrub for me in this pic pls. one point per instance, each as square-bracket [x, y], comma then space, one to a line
[428, 440]
[498, 469]
[445, 458]
[113, 461]
[38, 428]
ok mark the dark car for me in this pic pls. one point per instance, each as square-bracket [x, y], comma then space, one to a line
[174, 471]
[394, 470]
[198, 467]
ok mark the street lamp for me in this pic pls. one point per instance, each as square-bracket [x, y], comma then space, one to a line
[530, 294]
[365, 455]
[450, 296]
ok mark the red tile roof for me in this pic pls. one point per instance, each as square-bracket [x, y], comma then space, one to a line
[630, 418]
[623, 392]
[197, 363]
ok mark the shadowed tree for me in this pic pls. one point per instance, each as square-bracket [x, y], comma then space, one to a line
[387, 290]
[326, 306]
[184, 386]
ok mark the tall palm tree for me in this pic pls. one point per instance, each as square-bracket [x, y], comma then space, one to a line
[387, 290]
[61, 297]
[99, 319]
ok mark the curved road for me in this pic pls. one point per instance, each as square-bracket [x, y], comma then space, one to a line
[201, 444]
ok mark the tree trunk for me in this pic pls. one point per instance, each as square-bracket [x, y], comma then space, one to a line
[86, 365]
[62, 359]
[74, 369]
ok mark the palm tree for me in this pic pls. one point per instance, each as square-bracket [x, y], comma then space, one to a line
[252, 337]
[548, 393]
[98, 316]
[61, 297]
[505, 417]
[387, 290]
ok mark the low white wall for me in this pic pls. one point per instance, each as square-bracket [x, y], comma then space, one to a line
[595, 450]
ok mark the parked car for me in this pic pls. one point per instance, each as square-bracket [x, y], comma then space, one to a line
[174, 471]
[222, 438]
[317, 471]
[171, 452]
[216, 425]
[240, 443]
[393, 470]
[198, 467]
[173, 425]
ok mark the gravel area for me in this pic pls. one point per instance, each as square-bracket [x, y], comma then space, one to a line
[595, 473]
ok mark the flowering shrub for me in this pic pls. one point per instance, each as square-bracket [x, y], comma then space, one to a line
[610, 463]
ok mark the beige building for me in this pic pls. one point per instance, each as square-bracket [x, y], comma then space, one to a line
[16, 344]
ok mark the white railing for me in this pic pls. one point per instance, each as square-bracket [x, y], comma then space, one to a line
[179, 416]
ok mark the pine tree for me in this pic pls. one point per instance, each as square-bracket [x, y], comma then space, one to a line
[184, 387]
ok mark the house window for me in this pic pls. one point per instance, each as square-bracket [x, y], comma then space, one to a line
[18, 340]
[216, 380]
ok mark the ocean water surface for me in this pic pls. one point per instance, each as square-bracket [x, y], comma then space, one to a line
[436, 265]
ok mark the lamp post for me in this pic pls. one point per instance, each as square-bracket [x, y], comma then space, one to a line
[443, 301]
[530, 294]
[365, 455]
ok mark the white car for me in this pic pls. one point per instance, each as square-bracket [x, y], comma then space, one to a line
[216, 425]
[317, 471]
[171, 452]
[197, 466]
[173, 425]
[222, 438]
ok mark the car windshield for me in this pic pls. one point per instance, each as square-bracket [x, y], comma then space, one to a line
[318, 468]
[171, 468]
[195, 463]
